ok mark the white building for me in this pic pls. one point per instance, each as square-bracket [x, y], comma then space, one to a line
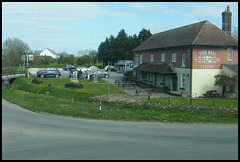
[49, 52]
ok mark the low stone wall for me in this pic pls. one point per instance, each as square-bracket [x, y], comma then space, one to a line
[121, 101]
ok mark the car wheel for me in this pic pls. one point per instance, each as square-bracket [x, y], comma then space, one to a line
[41, 76]
[57, 76]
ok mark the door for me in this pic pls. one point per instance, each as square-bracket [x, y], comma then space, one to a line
[174, 82]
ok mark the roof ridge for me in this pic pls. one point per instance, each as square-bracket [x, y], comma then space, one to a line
[205, 21]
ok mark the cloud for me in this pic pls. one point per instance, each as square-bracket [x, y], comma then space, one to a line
[146, 7]
[174, 12]
[57, 11]
[159, 27]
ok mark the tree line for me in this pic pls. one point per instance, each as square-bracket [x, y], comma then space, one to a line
[121, 46]
[112, 49]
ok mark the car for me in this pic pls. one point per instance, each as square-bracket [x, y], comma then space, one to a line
[69, 67]
[83, 69]
[100, 74]
[41, 70]
[48, 73]
[110, 68]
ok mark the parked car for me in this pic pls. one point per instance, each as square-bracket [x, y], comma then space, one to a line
[48, 73]
[41, 70]
[100, 74]
[68, 67]
[83, 69]
[110, 68]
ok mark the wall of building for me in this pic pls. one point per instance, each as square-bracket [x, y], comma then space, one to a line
[203, 80]
[207, 63]
[146, 56]
[211, 58]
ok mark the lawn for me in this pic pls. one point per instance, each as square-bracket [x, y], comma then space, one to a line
[52, 97]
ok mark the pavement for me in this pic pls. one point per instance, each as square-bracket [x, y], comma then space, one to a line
[132, 90]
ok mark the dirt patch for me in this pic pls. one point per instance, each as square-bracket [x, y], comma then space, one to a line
[119, 98]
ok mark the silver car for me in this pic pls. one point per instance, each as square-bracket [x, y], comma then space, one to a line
[83, 69]
[100, 74]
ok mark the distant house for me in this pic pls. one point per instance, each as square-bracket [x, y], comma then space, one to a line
[124, 65]
[187, 58]
[49, 52]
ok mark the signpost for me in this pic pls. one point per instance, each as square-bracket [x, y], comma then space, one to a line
[28, 56]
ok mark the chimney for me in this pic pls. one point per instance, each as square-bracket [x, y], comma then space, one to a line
[227, 20]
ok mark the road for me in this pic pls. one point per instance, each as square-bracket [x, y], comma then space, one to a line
[27, 135]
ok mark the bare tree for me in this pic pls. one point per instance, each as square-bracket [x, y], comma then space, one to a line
[235, 32]
[12, 51]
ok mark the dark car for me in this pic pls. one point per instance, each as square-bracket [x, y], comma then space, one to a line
[110, 68]
[49, 73]
[69, 67]
[42, 70]
[100, 74]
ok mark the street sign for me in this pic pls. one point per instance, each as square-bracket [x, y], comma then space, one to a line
[23, 58]
[30, 56]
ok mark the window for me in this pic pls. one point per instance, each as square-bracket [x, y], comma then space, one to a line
[183, 60]
[140, 59]
[137, 59]
[183, 80]
[152, 57]
[229, 54]
[174, 57]
[163, 57]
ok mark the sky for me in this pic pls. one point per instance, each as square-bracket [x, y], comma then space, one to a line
[76, 26]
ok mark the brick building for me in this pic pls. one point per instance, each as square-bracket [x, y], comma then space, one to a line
[187, 58]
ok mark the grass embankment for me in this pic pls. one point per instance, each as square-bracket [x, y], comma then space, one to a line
[57, 99]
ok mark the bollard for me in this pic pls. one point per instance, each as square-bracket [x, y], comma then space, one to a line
[100, 106]
[213, 101]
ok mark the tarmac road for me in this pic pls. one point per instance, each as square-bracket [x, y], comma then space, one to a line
[27, 135]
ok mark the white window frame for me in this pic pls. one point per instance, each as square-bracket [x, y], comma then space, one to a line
[230, 50]
[183, 80]
[152, 58]
[163, 57]
[140, 59]
[137, 59]
[174, 57]
[184, 60]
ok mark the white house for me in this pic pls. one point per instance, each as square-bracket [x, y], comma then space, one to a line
[49, 52]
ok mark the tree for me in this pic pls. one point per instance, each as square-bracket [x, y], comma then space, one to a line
[144, 35]
[235, 32]
[13, 49]
[225, 81]
[120, 48]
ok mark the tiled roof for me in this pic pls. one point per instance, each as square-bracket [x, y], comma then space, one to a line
[53, 52]
[164, 68]
[232, 66]
[199, 34]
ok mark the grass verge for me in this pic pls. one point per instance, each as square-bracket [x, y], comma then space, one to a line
[59, 100]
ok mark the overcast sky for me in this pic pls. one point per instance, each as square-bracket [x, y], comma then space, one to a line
[75, 26]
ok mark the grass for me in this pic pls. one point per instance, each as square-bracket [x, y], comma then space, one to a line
[206, 102]
[74, 102]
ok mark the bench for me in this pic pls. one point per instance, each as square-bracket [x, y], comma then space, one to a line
[211, 93]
